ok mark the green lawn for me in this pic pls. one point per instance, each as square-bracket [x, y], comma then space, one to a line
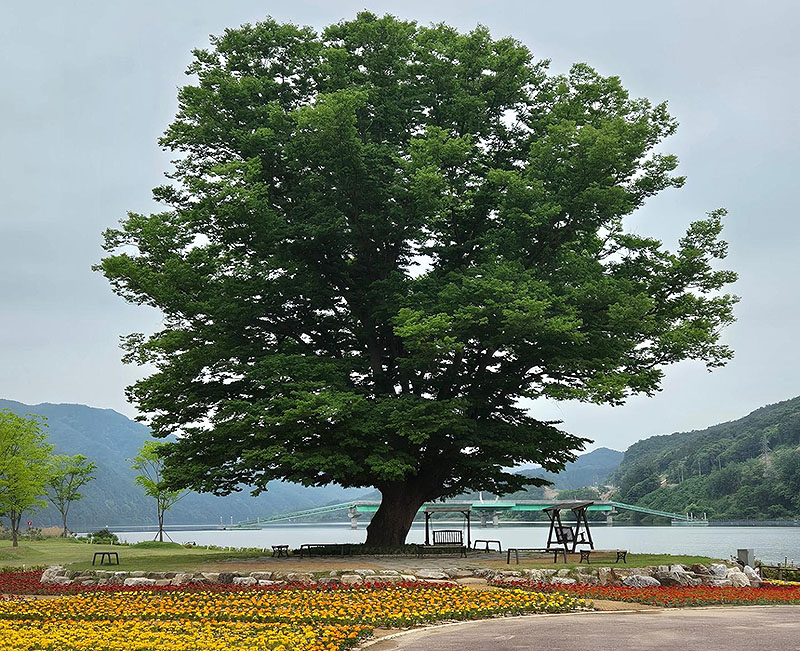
[78, 555]
[169, 556]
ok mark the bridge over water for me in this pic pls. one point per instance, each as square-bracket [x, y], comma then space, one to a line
[488, 512]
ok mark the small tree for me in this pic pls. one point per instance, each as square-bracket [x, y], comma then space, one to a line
[149, 464]
[24, 467]
[67, 476]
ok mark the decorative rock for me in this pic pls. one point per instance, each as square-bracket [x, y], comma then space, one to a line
[536, 576]
[139, 580]
[138, 575]
[366, 572]
[211, 576]
[673, 578]
[300, 577]
[697, 568]
[718, 570]
[505, 574]
[156, 575]
[163, 582]
[752, 575]
[408, 578]
[562, 573]
[677, 568]
[389, 578]
[226, 577]
[721, 582]
[457, 573]
[181, 578]
[431, 574]
[245, 580]
[389, 573]
[640, 581]
[739, 580]
[562, 580]
[351, 579]
[264, 576]
[588, 579]
[606, 576]
[329, 580]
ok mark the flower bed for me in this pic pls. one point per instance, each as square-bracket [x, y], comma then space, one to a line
[331, 618]
[669, 597]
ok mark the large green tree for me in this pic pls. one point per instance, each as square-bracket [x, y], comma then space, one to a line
[378, 239]
[24, 467]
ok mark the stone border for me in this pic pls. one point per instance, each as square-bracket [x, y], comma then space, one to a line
[668, 575]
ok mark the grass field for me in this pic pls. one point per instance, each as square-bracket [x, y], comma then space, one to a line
[169, 556]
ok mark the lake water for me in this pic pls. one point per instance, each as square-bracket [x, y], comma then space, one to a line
[771, 544]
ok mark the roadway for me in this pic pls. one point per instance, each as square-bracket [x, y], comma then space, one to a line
[702, 629]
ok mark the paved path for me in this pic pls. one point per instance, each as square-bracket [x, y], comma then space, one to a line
[751, 628]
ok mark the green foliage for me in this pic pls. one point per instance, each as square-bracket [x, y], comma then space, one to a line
[103, 537]
[151, 468]
[747, 469]
[67, 476]
[24, 466]
[379, 239]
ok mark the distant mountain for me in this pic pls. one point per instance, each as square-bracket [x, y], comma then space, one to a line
[747, 469]
[110, 440]
[591, 469]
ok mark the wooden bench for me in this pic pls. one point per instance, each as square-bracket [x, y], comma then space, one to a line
[445, 541]
[307, 549]
[105, 555]
[541, 550]
[486, 544]
[622, 554]
[280, 550]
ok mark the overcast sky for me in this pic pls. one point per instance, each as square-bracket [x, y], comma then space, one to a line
[89, 86]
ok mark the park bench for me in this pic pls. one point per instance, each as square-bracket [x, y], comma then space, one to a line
[540, 550]
[486, 544]
[566, 536]
[444, 541]
[105, 555]
[308, 549]
[622, 554]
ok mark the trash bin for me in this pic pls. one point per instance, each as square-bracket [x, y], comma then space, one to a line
[746, 557]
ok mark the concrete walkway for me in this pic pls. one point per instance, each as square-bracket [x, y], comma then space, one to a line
[749, 628]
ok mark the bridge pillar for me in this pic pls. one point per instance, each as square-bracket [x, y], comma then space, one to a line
[610, 517]
[496, 518]
[483, 519]
[353, 513]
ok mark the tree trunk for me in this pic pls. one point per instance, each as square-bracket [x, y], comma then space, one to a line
[64, 524]
[15, 517]
[392, 521]
[161, 527]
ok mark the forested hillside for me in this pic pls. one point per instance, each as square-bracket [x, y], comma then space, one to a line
[111, 440]
[748, 469]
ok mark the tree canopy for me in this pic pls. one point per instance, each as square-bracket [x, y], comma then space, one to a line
[67, 476]
[378, 239]
[24, 466]
[151, 478]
